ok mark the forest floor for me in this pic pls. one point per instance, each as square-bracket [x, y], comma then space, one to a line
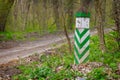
[11, 57]
[15, 50]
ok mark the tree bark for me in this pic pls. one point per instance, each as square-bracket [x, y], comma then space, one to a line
[56, 12]
[100, 10]
[5, 6]
[66, 33]
[116, 15]
[85, 4]
[44, 18]
[70, 14]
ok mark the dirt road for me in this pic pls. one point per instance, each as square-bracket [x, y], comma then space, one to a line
[39, 46]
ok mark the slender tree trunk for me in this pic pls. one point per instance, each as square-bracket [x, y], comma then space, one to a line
[100, 10]
[85, 4]
[44, 18]
[28, 4]
[66, 33]
[5, 6]
[25, 7]
[70, 14]
[56, 12]
[116, 15]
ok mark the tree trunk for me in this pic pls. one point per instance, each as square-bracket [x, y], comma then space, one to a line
[5, 6]
[70, 14]
[66, 33]
[85, 4]
[56, 12]
[116, 15]
[100, 10]
[44, 18]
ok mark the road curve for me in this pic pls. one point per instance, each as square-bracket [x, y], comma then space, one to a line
[32, 47]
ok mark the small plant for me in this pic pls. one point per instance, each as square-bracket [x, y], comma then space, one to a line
[116, 36]
[97, 74]
[42, 72]
[6, 36]
[113, 66]
[37, 73]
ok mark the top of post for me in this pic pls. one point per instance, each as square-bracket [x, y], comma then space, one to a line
[83, 14]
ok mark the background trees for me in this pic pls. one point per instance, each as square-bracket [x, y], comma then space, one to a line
[116, 16]
[5, 6]
[46, 16]
[100, 7]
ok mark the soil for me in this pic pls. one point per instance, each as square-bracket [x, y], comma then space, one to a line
[8, 44]
[8, 70]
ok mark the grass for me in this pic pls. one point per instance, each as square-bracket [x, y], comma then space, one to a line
[5, 36]
[51, 66]
[110, 59]
[20, 36]
[112, 50]
[58, 64]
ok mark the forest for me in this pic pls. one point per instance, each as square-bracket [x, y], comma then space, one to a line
[38, 40]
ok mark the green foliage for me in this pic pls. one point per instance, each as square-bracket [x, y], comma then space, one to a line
[116, 36]
[42, 72]
[103, 73]
[65, 74]
[111, 56]
[52, 29]
[18, 35]
[113, 66]
[33, 73]
[97, 73]
[6, 36]
[58, 65]
[115, 76]
[53, 66]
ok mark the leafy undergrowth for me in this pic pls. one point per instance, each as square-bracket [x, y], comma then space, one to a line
[58, 64]
[53, 65]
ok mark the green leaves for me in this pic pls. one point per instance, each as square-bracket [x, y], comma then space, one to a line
[6, 36]
[97, 73]
[113, 66]
[42, 72]
[58, 65]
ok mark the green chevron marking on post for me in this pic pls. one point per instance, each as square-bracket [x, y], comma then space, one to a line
[81, 38]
